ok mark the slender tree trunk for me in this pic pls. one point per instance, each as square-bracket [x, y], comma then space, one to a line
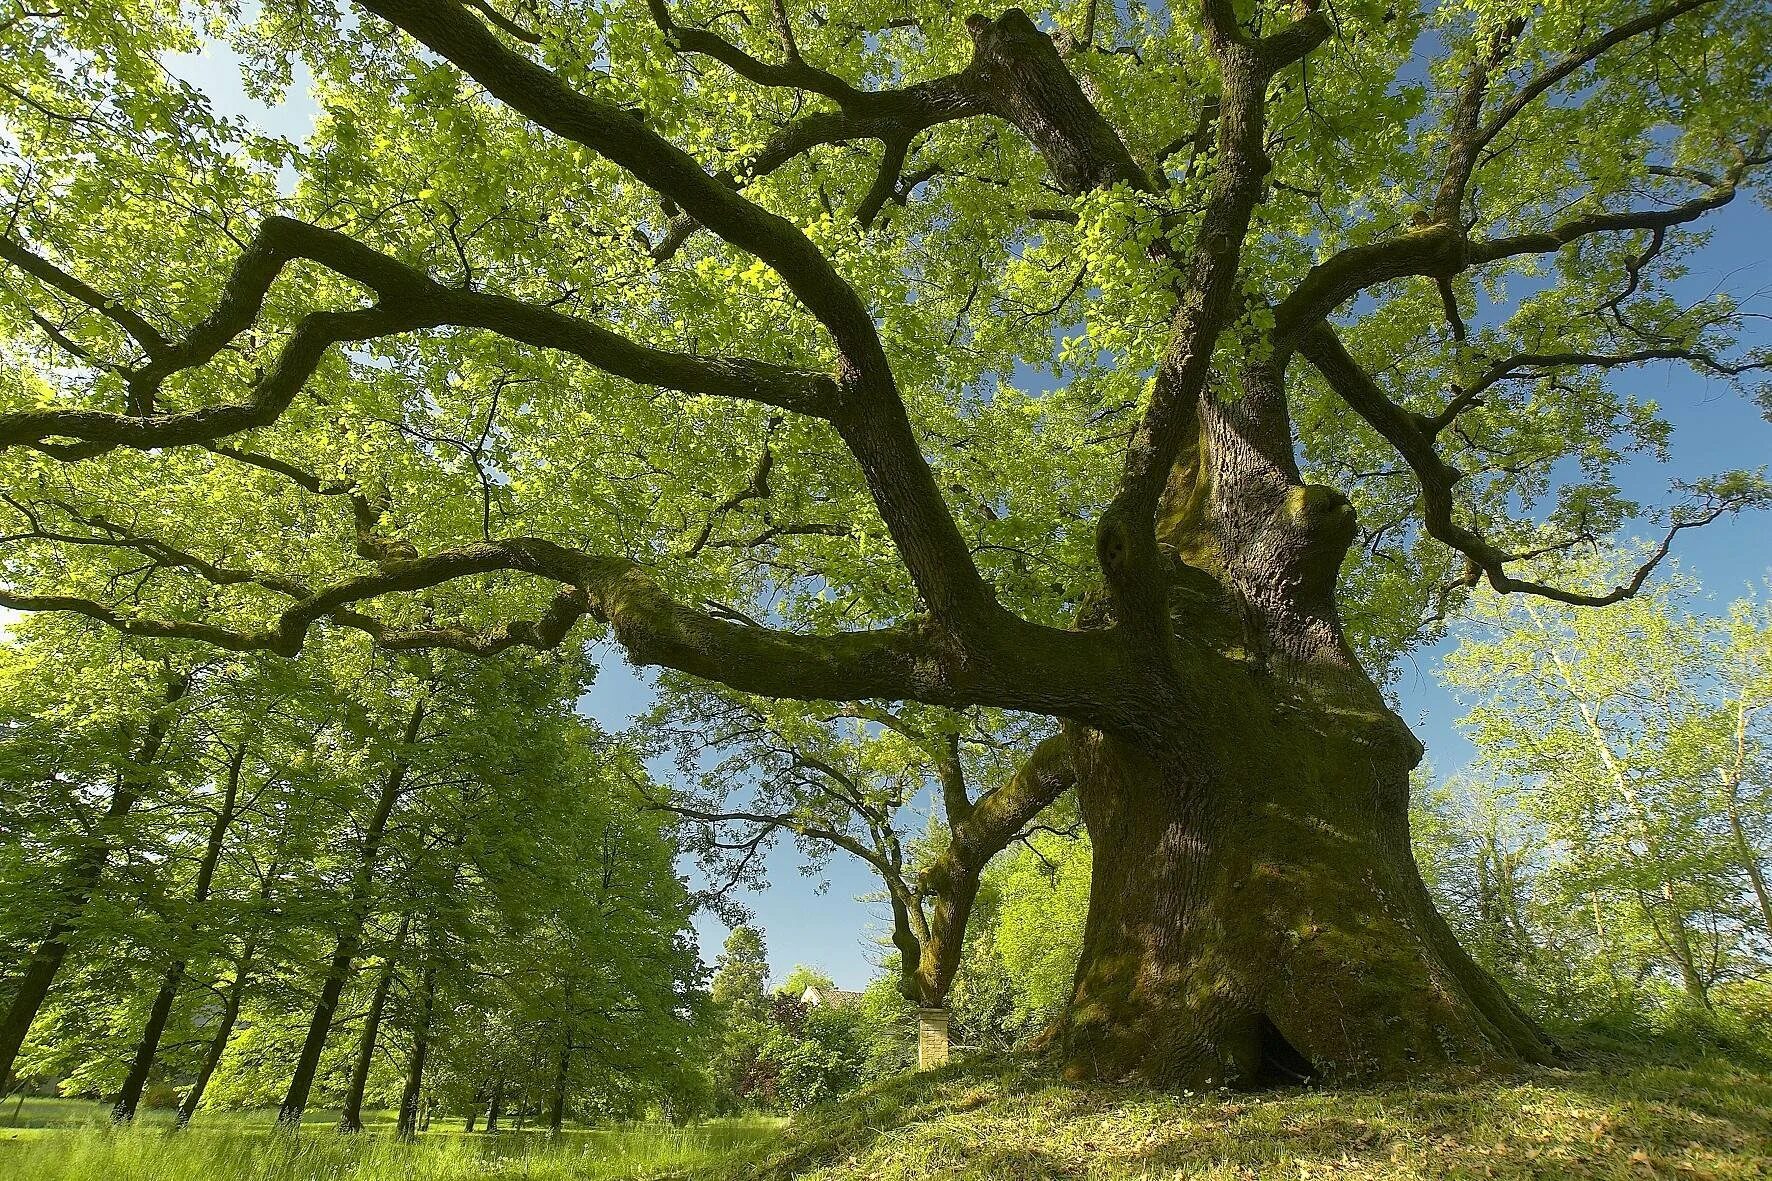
[351, 1118]
[236, 994]
[1680, 944]
[1749, 856]
[1750, 862]
[142, 1065]
[1676, 939]
[80, 878]
[557, 1105]
[350, 935]
[495, 1107]
[224, 1031]
[421, 1047]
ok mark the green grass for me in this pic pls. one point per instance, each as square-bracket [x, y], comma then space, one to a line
[1007, 1121]
[64, 1140]
[1619, 1116]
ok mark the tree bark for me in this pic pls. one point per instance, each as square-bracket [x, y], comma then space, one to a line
[350, 935]
[351, 1116]
[81, 878]
[1256, 915]
[421, 1047]
[142, 1065]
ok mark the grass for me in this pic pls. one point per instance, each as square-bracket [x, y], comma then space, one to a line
[1006, 1121]
[64, 1140]
[1619, 1116]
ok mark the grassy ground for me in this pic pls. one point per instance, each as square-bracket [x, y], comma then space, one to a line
[1617, 1117]
[64, 1140]
[1614, 1118]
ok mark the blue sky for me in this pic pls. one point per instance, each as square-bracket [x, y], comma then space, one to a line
[820, 920]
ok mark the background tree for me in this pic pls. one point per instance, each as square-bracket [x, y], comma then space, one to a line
[79, 774]
[861, 780]
[190, 961]
[1625, 831]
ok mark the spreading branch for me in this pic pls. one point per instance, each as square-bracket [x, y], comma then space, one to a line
[1413, 437]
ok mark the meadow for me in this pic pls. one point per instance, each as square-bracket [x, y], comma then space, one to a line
[1613, 1115]
[72, 1140]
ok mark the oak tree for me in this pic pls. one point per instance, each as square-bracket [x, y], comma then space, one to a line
[862, 352]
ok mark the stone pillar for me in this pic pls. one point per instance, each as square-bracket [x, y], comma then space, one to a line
[932, 1038]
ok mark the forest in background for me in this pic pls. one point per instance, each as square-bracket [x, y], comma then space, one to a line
[430, 886]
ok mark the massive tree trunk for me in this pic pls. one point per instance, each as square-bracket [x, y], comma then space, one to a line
[80, 877]
[351, 1116]
[1256, 914]
[350, 934]
[142, 1065]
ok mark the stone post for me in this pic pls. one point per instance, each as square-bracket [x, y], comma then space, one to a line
[932, 1038]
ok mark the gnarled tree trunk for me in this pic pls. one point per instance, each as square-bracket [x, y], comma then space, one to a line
[1256, 914]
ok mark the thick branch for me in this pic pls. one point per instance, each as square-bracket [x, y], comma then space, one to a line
[407, 300]
[900, 663]
[139, 330]
[870, 414]
[1127, 539]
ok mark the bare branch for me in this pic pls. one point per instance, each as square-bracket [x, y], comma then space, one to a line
[1412, 436]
